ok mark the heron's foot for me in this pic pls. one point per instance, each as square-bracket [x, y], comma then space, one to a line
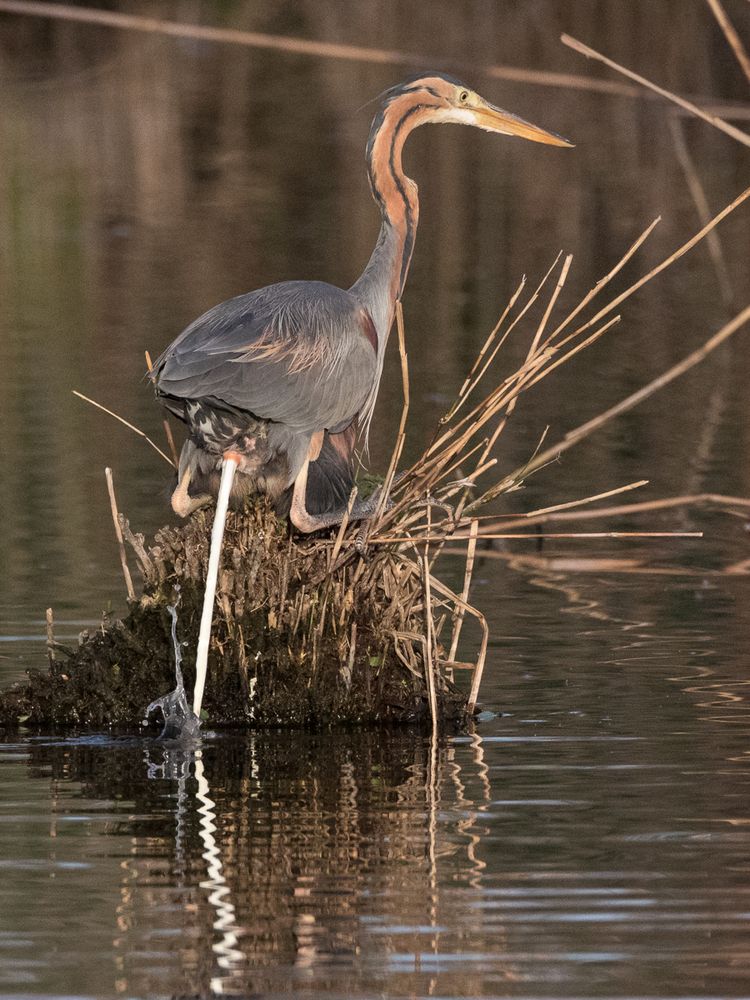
[360, 541]
[182, 503]
[362, 510]
[430, 501]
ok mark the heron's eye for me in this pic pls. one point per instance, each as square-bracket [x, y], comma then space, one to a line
[463, 96]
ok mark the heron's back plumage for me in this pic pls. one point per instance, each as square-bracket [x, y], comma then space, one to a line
[298, 353]
[261, 373]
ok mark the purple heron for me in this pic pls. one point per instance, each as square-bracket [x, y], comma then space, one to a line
[276, 385]
[285, 378]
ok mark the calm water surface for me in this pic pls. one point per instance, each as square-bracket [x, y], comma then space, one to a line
[591, 838]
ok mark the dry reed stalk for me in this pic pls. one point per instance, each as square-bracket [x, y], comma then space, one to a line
[440, 441]
[730, 33]
[470, 378]
[592, 499]
[342, 530]
[454, 439]
[713, 241]
[531, 354]
[717, 500]
[603, 282]
[51, 654]
[127, 423]
[718, 123]
[352, 654]
[456, 601]
[303, 46]
[550, 306]
[401, 436]
[458, 620]
[576, 564]
[474, 378]
[427, 539]
[170, 441]
[584, 430]
[694, 358]
[118, 534]
[667, 262]
[457, 440]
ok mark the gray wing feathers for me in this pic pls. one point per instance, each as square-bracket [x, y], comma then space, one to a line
[296, 353]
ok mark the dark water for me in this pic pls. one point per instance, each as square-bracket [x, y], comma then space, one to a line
[590, 840]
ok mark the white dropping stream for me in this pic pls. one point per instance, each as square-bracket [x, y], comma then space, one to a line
[228, 470]
[181, 724]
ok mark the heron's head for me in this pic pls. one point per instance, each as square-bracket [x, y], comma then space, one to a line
[437, 97]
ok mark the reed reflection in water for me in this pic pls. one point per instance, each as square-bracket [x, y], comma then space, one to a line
[579, 846]
[318, 861]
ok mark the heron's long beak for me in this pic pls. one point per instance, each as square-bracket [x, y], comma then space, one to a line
[496, 120]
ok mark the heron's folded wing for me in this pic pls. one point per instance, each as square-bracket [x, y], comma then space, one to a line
[301, 353]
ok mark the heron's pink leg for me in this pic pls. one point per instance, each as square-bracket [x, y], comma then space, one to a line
[182, 503]
[298, 514]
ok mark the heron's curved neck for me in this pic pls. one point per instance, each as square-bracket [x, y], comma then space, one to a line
[380, 285]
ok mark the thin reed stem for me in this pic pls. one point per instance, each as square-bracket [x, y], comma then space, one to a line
[718, 123]
[118, 534]
[127, 423]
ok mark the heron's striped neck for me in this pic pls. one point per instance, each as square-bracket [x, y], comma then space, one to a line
[382, 281]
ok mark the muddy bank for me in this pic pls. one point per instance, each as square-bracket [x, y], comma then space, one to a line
[302, 635]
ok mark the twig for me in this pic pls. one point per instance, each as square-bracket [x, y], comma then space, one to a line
[136, 543]
[50, 637]
[719, 123]
[459, 617]
[625, 510]
[530, 536]
[304, 46]
[730, 33]
[591, 499]
[713, 242]
[126, 422]
[349, 668]
[694, 358]
[401, 436]
[668, 261]
[118, 533]
[170, 442]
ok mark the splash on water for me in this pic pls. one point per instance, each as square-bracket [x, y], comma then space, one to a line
[181, 725]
